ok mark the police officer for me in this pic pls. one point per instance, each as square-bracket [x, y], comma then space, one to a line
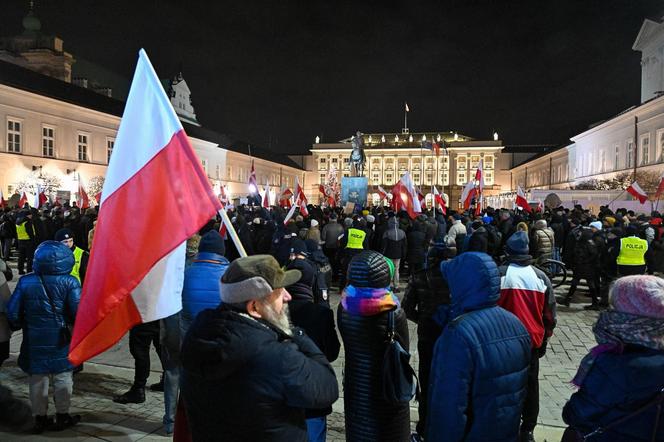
[352, 243]
[66, 237]
[27, 238]
[631, 258]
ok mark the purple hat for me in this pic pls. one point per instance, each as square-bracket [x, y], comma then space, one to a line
[641, 295]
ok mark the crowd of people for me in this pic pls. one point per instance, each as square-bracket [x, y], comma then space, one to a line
[249, 356]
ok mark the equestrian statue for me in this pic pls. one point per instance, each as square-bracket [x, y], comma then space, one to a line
[357, 157]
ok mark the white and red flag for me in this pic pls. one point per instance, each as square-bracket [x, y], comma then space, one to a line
[540, 206]
[3, 202]
[285, 197]
[300, 198]
[660, 187]
[253, 184]
[479, 202]
[22, 200]
[40, 197]
[382, 193]
[479, 175]
[266, 196]
[83, 200]
[404, 196]
[521, 200]
[635, 190]
[469, 192]
[420, 195]
[439, 200]
[152, 157]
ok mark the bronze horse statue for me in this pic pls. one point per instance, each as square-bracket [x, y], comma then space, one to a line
[357, 157]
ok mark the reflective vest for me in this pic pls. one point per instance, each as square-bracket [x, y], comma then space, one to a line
[78, 254]
[22, 231]
[632, 251]
[355, 239]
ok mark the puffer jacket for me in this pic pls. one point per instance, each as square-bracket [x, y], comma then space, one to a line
[586, 255]
[394, 243]
[368, 416]
[417, 245]
[244, 380]
[635, 377]
[543, 239]
[480, 362]
[201, 286]
[42, 350]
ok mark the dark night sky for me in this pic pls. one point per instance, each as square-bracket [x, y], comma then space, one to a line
[279, 73]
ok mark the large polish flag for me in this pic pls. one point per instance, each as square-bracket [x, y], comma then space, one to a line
[469, 192]
[136, 267]
[660, 187]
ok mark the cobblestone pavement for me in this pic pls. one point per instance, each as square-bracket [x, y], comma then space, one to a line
[112, 373]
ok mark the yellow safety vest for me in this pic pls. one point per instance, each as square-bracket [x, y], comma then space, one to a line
[22, 232]
[355, 239]
[632, 251]
[78, 254]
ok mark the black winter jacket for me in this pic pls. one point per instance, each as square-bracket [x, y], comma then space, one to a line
[368, 417]
[245, 380]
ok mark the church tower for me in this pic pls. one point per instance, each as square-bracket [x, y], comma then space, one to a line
[180, 96]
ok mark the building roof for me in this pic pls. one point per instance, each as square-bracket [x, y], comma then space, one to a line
[541, 154]
[34, 82]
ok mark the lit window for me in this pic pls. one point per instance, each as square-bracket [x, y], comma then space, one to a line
[82, 147]
[461, 178]
[630, 153]
[645, 149]
[48, 141]
[14, 136]
[461, 163]
[110, 143]
[322, 178]
[322, 160]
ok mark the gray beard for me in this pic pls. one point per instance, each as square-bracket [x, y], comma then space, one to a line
[279, 320]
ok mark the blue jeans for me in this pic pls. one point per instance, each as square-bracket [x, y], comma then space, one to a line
[317, 429]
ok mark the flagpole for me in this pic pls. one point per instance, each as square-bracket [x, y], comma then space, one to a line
[614, 199]
[231, 231]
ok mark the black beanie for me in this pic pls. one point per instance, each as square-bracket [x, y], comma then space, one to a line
[212, 242]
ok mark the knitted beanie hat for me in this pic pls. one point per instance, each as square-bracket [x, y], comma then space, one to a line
[641, 295]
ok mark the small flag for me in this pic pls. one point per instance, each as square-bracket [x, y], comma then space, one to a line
[404, 196]
[300, 198]
[266, 196]
[521, 200]
[152, 158]
[438, 199]
[479, 175]
[253, 185]
[382, 193]
[83, 200]
[436, 148]
[22, 201]
[635, 190]
[3, 203]
[290, 214]
[285, 197]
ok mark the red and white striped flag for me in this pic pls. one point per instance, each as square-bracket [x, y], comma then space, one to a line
[521, 200]
[300, 198]
[469, 192]
[152, 157]
[382, 193]
[22, 200]
[266, 196]
[3, 202]
[660, 187]
[253, 184]
[635, 190]
[404, 196]
[83, 200]
[285, 197]
[479, 175]
[438, 199]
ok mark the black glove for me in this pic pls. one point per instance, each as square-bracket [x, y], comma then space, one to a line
[542, 350]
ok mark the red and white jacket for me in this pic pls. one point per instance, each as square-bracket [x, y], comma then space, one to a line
[526, 292]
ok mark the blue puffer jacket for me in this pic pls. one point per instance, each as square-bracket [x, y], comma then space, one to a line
[634, 377]
[29, 308]
[201, 285]
[480, 362]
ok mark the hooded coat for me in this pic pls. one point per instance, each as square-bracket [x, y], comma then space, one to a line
[480, 362]
[394, 243]
[248, 381]
[30, 309]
